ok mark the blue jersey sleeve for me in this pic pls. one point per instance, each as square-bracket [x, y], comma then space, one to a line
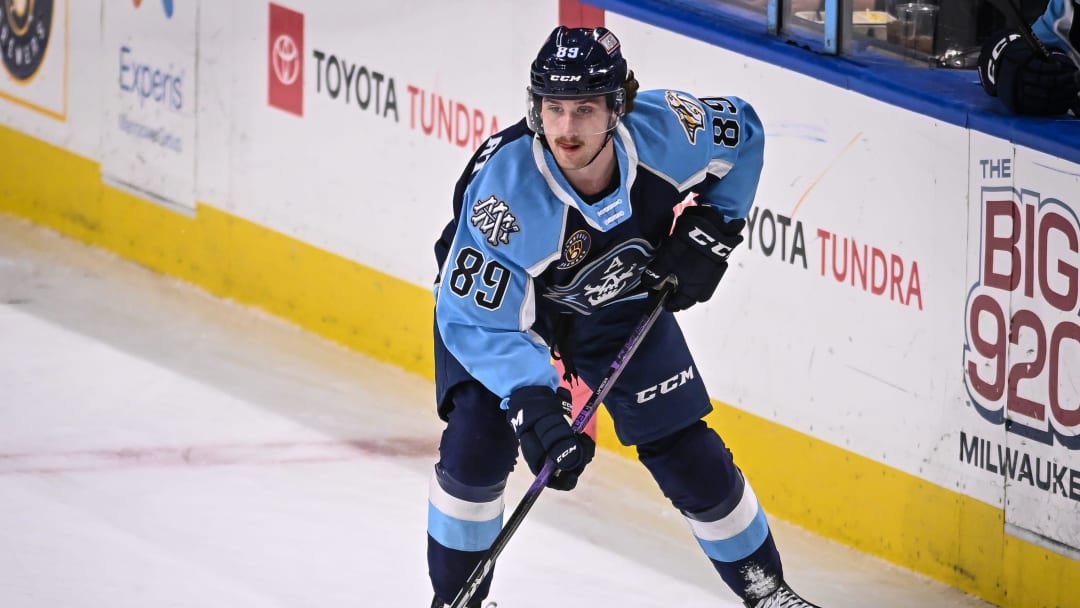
[485, 299]
[712, 146]
[1054, 26]
[736, 157]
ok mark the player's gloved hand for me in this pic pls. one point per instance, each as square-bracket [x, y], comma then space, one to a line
[1026, 82]
[538, 416]
[695, 254]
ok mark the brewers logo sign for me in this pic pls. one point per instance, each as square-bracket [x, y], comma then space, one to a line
[24, 36]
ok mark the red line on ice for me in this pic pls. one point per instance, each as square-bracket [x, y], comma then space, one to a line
[269, 453]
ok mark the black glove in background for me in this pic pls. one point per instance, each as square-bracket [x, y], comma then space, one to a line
[1026, 82]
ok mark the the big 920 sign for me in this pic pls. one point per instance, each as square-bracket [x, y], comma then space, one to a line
[1021, 354]
[1023, 339]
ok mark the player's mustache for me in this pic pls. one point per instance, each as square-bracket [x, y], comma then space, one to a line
[568, 141]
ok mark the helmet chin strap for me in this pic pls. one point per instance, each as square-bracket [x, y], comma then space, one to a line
[610, 134]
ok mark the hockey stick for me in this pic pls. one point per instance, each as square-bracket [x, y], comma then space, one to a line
[1016, 20]
[468, 590]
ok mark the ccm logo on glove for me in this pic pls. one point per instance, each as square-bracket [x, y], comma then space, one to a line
[719, 248]
[561, 457]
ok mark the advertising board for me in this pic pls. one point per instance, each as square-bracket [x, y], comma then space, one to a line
[149, 84]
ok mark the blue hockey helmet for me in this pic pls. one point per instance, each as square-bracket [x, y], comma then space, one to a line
[576, 63]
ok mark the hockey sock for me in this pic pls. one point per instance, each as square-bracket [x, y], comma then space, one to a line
[697, 473]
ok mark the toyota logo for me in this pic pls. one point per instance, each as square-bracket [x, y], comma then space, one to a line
[286, 59]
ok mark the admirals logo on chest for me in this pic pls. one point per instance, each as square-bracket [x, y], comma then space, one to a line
[689, 112]
[609, 279]
[494, 220]
[575, 249]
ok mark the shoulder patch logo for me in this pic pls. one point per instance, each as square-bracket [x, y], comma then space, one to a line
[689, 113]
[575, 249]
[494, 220]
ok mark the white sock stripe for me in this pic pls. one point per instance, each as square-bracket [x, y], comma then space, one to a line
[733, 523]
[462, 509]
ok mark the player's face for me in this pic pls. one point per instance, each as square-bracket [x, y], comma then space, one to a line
[576, 129]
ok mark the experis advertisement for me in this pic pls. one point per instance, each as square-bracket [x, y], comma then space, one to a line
[148, 138]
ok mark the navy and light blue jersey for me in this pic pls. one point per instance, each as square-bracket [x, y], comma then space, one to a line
[1056, 28]
[523, 245]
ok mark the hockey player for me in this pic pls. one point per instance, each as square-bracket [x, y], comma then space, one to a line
[1027, 82]
[562, 223]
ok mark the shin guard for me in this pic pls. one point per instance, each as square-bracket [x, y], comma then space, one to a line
[465, 497]
[698, 475]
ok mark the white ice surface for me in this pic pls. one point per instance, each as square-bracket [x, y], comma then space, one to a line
[161, 447]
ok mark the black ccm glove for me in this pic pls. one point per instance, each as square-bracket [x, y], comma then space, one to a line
[538, 417]
[695, 254]
[1025, 81]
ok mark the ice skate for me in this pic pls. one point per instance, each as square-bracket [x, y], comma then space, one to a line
[783, 597]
